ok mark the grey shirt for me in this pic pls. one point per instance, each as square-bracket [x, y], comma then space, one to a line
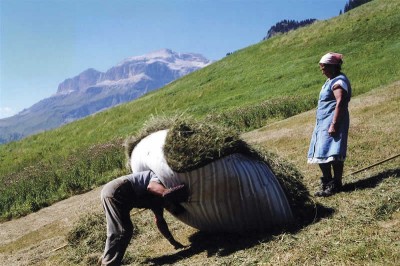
[140, 181]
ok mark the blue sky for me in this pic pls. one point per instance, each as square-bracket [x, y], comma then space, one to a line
[43, 42]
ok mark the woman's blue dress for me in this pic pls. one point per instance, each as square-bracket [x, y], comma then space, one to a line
[323, 147]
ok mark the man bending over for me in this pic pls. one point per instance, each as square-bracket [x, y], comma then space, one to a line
[139, 190]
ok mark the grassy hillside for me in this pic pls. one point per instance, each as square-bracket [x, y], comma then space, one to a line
[265, 82]
[359, 226]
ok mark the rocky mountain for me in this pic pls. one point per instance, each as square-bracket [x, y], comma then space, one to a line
[92, 91]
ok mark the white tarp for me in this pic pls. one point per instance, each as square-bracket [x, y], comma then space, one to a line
[235, 193]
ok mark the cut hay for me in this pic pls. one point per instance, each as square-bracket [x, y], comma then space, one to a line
[191, 144]
[86, 239]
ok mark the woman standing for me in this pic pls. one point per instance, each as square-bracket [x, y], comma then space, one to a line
[329, 139]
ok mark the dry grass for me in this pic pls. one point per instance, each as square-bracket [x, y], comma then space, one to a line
[359, 226]
[362, 227]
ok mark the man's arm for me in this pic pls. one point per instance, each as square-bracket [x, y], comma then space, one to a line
[175, 195]
[156, 188]
[163, 227]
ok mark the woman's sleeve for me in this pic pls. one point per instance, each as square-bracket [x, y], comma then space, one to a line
[342, 84]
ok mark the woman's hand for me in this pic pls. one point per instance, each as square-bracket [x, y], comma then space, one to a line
[332, 130]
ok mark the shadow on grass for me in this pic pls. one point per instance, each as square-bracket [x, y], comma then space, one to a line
[370, 182]
[224, 244]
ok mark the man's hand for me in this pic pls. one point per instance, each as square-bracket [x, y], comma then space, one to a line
[163, 228]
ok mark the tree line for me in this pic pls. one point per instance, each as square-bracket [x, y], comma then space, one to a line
[288, 25]
[351, 4]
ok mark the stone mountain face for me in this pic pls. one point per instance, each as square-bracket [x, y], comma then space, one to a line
[84, 80]
[93, 91]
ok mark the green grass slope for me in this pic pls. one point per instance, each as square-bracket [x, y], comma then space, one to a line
[264, 82]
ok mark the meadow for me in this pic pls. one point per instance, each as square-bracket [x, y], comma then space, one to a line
[266, 92]
[265, 82]
[359, 226]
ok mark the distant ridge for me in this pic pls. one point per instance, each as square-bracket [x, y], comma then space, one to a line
[286, 26]
[92, 91]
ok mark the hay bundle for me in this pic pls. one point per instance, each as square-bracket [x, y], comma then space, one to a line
[234, 187]
[190, 145]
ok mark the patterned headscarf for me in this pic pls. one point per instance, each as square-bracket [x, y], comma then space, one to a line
[332, 59]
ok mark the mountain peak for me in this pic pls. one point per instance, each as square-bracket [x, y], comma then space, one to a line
[85, 79]
[162, 53]
[92, 91]
[158, 54]
[167, 55]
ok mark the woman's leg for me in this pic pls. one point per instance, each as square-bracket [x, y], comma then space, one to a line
[338, 173]
[326, 170]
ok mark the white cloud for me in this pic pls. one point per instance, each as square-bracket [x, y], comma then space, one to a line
[6, 112]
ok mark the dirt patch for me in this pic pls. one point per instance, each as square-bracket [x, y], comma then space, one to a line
[32, 239]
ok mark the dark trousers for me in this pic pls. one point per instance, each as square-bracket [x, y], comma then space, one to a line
[117, 197]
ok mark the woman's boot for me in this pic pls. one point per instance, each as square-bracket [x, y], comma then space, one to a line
[330, 188]
[325, 184]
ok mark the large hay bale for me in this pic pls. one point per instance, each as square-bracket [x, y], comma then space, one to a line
[232, 185]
